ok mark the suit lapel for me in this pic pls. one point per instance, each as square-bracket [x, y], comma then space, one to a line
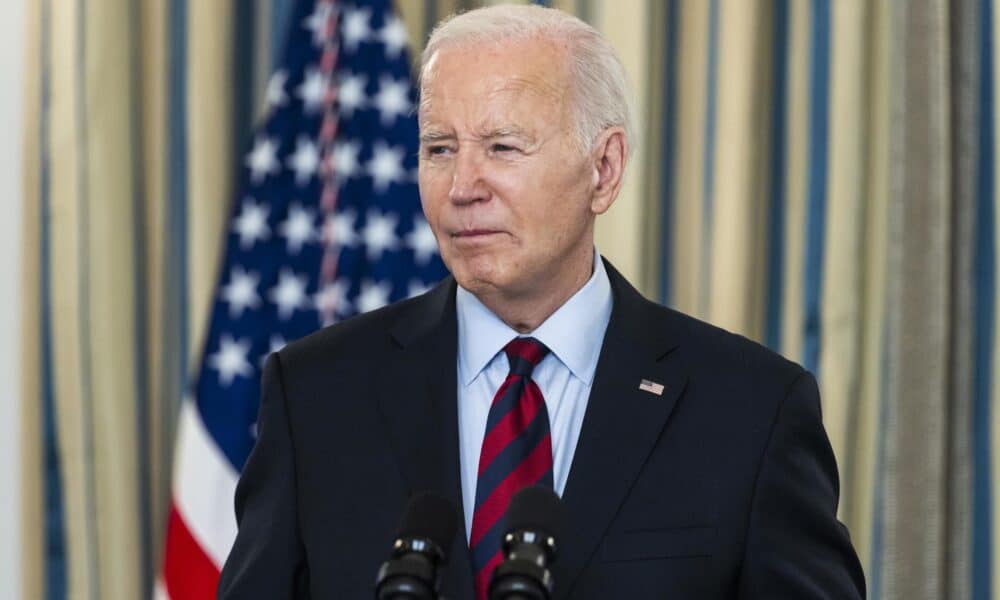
[621, 426]
[418, 402]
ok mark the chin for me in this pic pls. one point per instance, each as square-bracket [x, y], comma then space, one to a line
[480, 276]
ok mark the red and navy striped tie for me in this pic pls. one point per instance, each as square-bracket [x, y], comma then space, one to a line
[517, 453]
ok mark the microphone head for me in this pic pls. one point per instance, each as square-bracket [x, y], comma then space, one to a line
[536, 523]
[430, 517]
[537, 509]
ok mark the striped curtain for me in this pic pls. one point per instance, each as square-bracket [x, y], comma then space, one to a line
[817, 175]
[825, 186]
[137, 116]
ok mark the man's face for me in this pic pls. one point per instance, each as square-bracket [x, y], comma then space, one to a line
[503, 182]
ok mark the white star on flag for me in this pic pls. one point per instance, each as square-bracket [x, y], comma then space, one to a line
[324, 223]
[394, 35]
[380, 233]
[355, 28]
[241, 291]
[231, 359]
[304, 161]
[263, 159]
[312, 90]
[373, 295]
[251, 224]
[392, 99]
[351, 93]
[275, 94]
[339, 229]
[344, 159]
[421, 240]
[385, 166]
[298, 228]
[317, 21]
[416, 288]
[333, 298]
[276, 343]
[289, 294]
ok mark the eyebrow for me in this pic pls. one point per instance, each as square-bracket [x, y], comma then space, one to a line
[509, 131]
[434, 136]
[431, 137]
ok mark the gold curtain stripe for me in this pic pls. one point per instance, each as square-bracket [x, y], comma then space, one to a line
[687, 180]
[844, 255]
[618, 232]
[210, 159]
[652, 190]
[68, 319]
[797, 127]
[736, 260]
[160, 425]
[110, 274]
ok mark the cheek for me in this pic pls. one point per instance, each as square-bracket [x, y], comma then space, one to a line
[561, 209]
[431, 196]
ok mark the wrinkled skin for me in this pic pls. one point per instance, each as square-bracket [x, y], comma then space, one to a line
[504, 183]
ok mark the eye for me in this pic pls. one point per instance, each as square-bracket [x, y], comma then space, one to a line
[503, 148]
[436, 150]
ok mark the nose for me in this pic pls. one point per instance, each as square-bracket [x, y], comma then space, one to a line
[467, 185]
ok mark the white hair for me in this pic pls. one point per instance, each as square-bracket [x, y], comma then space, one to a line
[601, 94]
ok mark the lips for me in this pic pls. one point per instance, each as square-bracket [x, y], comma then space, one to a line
[474, 233]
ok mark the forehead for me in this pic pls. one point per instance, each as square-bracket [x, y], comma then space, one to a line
[492, 77]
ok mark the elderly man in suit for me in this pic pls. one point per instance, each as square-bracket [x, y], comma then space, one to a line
[692, 463]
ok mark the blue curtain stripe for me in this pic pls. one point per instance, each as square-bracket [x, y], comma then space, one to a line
[878, 483]
[985, 298]
[819, 101]
[778, 171]
[281, 17]
[708, 174]
[668, 150]
[177, 241]
[141, 301]
[54, 517]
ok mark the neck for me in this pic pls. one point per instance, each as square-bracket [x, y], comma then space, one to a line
[525, 312]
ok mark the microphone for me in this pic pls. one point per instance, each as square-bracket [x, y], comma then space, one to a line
[535, 521]
[422, 544]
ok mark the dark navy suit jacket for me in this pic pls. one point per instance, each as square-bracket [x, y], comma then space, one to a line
[724, 486]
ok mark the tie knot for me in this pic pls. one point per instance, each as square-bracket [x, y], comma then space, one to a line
[524, 354]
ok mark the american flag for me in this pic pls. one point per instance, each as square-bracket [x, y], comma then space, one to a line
[327, 224]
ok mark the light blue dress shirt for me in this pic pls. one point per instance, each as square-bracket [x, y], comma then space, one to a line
[574, 334]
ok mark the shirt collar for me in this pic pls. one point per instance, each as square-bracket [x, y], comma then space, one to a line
[573, 333]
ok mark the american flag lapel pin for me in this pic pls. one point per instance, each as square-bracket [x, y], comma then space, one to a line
[651, 386]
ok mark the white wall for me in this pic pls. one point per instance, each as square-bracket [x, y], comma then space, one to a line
[12, 46]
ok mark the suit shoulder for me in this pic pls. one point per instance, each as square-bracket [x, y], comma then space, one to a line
[356, 338]
[723, 353]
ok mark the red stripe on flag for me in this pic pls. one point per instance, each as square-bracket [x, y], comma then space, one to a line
[188, 573]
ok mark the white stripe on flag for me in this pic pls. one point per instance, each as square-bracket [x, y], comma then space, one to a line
[204, 486]
[160, 590]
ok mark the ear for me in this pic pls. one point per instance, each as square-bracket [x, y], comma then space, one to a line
[609, 154]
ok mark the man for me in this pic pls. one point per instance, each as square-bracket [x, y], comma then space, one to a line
[692, 463]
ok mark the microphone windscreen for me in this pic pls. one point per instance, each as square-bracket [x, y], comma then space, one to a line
[537, 508]
[432, 517]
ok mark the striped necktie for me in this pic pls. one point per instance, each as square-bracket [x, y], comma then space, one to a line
[516, 453]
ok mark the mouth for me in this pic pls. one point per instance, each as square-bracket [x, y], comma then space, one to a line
[474, 234]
